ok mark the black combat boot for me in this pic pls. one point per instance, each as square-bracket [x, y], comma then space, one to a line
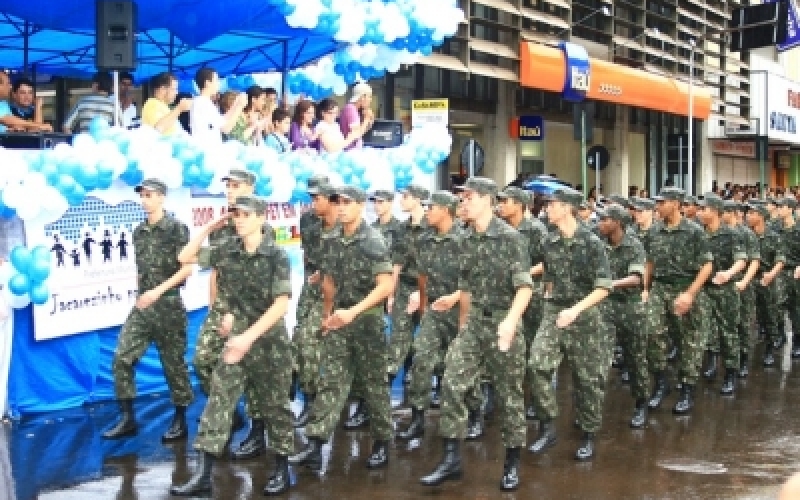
[729, 384]
[359, 418]
[200, 482]
[639, 414]
[660, 390]
[686, 401]
[488, 399]
[177, 429]
[510, 480]
[796, 345]
[744, 371]
[474, 425]
[449, 468]
[547, 437]
[436, 393]
[416, 428]
[530, 413]
[710, 373]
[126, 426]
[586, 449]
[310, 456]
[254, 444]
[279, 481]
[769, 357]
[301, 420]
[380, 454]
[407, 369]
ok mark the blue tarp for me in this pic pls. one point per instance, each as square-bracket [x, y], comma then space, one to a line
[233, 37]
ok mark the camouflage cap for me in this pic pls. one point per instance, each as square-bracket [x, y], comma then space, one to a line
[315, 181]
[417, 191]
[481, 185]
[642, 203]
[616, 213]
[670, 193]
[352, 192]
[770, 201]
[620, 200]
[251, 204]
[152, 184]
[516, 194]
[382, 195]
[730, 205]
[568, 196]
[444, 199]
[711, 200]
[240, 175]
[787, 201]
[758, 208]
[691, 200]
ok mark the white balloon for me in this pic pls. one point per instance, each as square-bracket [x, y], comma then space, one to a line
[34, 183]
[29, 209]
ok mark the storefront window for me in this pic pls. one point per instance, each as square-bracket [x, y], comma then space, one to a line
[403, 94]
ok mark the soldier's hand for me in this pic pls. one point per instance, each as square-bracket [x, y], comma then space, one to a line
[683, 303]
[339, 319]
[314, 278]
[797, 273]
[740, 286]
[226, 325]
[235, 349]
[147, 299]
[721, 278]
[413, 303]
[767, 279]
[566, 318]
[389, 304]
[219, 223]
[443, 304]
[505, 335]
[645, 295]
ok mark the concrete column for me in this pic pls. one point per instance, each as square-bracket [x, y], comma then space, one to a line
[705, 162]
[501, 150]
[616, 176]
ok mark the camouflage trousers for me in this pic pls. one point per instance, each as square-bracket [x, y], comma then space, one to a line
[208, 349]
[530, 325]
[164, 324]
[689, 331]
[307, 338]
[725, 307]
[627, 315]
[355, 352]
[267, 369]
[436, 334]
[473, 352]
[770, 307]
[747, 315]
[403, 326]
[585, 345]
[791, 287]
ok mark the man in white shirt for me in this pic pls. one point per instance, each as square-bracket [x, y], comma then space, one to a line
[207, 123]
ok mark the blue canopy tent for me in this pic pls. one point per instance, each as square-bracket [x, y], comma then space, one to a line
[181, 36]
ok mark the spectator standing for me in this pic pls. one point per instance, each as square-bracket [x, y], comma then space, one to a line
[206, 121]
[128, 109]
[351, 118]
[95, 105]
[302, 134]
[331, 139]
[156, 112]
[25, 106]
[277, 139]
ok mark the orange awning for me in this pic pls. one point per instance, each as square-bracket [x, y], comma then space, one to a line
[544, 68]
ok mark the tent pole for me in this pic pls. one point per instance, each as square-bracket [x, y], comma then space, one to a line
[284, 71]
[25, 46]
[171, 52]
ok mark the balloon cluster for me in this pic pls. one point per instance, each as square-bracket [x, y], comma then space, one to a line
[32, 268]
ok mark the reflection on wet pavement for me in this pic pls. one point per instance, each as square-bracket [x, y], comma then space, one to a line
[729, 448]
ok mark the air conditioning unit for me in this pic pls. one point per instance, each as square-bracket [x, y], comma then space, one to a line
[735, 130]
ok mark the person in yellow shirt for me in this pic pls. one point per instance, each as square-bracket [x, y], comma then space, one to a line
[156, 112]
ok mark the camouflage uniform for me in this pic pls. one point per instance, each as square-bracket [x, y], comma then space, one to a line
[248, 284]
[791, 241]
[770, 300]
[747, 311]
[727, 246]
[164, 323]
[358, 350]
[575, 267]
[494, 264]
[677, 255]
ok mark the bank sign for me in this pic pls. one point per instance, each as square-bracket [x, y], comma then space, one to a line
[782, 113]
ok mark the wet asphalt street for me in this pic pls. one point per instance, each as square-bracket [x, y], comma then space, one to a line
[740, 447]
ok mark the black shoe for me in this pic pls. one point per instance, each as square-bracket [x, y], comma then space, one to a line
[380, 454]
[200, 482]
[625, 377]
[359, 418]
[294, 390]
[769, 357]
[686, 401]
[672, 355]
[436, 396]
[416, 428]
[729, 384]
[301, 420]
[510, 480]
[616, 361]
[743, 369]
[795, 346]
[239, 421]
[310, 456]
[449, 468]
[710, 372]
[586, 450]
[126, 425]
[254, 444]
[547, 437]
[660, 391]
[279, 481]
[474, 425]
[639, 414]
[488, 399]
[177, 429]
[530, 413]
[409, 361]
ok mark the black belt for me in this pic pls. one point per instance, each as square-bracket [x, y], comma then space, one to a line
[488, 313]
[674, 281]
[345, 304]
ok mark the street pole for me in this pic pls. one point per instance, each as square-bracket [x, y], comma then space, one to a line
[690, 180]
[762, 157]
[584, 177]
[597, 178]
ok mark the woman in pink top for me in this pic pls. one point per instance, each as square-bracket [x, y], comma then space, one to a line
[357, 114]
[301, 133]
[331, 139]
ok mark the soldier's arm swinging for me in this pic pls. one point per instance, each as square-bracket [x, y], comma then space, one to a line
[630, 281]
[463, 312]
[700, 279]
[538, 269]
[422, 283]
[328, 290]
[383, 287]
[236, 347]
[752, 269]
[212, 287]
[149, 297]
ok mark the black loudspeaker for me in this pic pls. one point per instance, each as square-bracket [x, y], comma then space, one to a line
[21, 140]
[384, 134]
[115, 35]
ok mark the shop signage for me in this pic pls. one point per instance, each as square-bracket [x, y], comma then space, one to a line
[434, 111]
[731, 148]
[578, 80]
[531, 128]
[779, 113]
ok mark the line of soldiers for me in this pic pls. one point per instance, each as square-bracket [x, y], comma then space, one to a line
[501, 299]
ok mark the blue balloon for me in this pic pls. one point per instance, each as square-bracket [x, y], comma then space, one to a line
[97, 126]
[205, 176]
[6, 212]
[21, 258]
[132, 176]
[77, 196]
[40, 294]
[65, 184]
[41, 252]
[264, 189]
[19, 284]
[39, 270]
[87, 176]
